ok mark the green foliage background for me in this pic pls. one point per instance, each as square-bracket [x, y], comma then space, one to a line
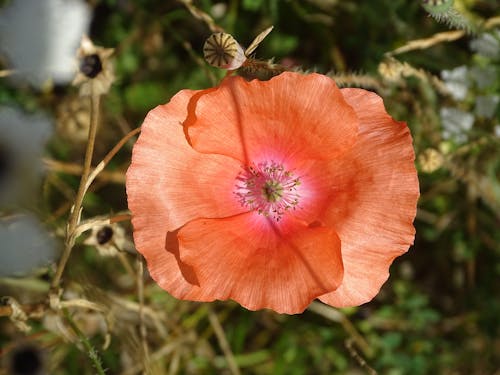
[439, 313]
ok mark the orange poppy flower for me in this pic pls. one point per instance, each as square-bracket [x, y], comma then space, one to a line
[273, 193]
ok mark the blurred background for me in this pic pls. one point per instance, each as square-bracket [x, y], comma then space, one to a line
[436, 63]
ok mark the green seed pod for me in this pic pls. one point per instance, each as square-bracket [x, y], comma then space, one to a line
[437, 6]
[443, 11]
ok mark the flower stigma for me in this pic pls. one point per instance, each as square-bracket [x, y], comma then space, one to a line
[268, 189]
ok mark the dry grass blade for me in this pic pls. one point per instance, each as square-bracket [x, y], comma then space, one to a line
[199, 14]
[223, 343]
[117, 177]
[6, 72]
[142, 325]
[354, 354]
[110, 155]
[336, 316]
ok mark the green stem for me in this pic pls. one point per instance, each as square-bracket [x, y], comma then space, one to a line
[91, 351]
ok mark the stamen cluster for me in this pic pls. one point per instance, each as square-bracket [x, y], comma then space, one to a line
[268, 188]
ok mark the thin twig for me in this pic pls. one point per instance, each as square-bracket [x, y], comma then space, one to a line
[199, 14]
[447, 36]
[354, 354]
[336, 316]
[82, 303]
[175, 362]
[110, 155]
[161, 353]
[223, 343]
[142, 325]
[492, 22]
[76, 209]
[155, 318]
[199, 61]
[61, 210]
[122, 257]
[62, 186]
[85, 182]
[100, 221]
[6, 72]
[117, 177]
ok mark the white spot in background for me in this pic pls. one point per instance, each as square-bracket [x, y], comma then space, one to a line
[25, 245]
[456, 81]
[22, 141]
[40, 37]
[456, 123]
[487, 44]
[496, 130]
[486, 105]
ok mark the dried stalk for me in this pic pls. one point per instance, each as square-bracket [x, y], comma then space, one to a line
[202, 16]
[336, 316]
[354, 354]
[73, 230]
[447, 36]
[142, 325]
[109, 156]
[117, 177]
[74, 218]
[223, 343]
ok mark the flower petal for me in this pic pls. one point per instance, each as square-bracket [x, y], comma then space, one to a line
[373, 203]
[261, 264]
[291, 116]
[169, 183]
[167, 175]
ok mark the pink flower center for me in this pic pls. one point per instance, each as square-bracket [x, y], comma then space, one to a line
[267, 188]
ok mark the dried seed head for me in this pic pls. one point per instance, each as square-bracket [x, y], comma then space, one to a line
[91, 65]
[104, 235]
[223, 51]
[96, 73]
[109, 239]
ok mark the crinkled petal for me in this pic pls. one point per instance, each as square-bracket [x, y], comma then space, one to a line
[373, 200]
[290, 117]
[167, 175]
[169, 183]
[261, 264]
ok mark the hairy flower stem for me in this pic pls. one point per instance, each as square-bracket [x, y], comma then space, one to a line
[91, 351]
[74, 218]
